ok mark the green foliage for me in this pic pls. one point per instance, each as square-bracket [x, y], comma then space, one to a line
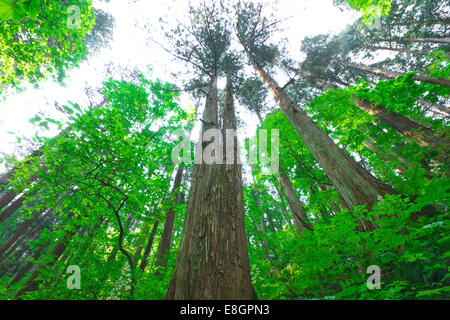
[331, 262]
[110, 167]
[38, 38]
[370, 8]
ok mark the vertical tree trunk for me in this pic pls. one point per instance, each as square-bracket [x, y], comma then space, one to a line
[148, 248]
[258, 203]
[8, 175]
[369, 145]
[283, 209]
[271, 224]
[213, 261]
[294, 203]
[421, 23]
[166, 237]
[354, 183]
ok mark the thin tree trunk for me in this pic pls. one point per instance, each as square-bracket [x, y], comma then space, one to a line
[422, 23]
[258, 202]
[166, 237]
[283, 207]
[213, 261]
[148, 248]
[369, 145]
[23, 228]
[7, 198]
[387, 73]
[445, 111]
[407, 127]
[294, 203]
[6, 213]
[271, 224]
[420, 53]
[432, 40]
[55, 253]
[8, 175]
[29, 265]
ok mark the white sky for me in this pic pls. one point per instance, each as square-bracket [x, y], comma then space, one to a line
[131, 47]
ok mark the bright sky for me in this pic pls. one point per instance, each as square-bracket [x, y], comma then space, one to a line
[132, 47]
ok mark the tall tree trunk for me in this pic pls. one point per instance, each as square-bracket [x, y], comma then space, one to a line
[166, 237]
[7, 198]
[8, 175]
[55, 253]
[7, 212]
[28, 266]
[148, 248]
[294, 203]
[23, 228]
[407, 127]
[20, 247]
[213, 261]
[354, 183]
[258, 203]
[271, 224]
[420, 53]
[387, 73]
[430, 40]
[435, 107]
[283, 207]
[422, 23]
[369, 145]
[37, 153]
[297, 222]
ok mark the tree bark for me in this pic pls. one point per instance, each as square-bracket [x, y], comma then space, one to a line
[213, 261]
[420, 53]
[23, 228]
[407, 127]
[28, 266]
[437, 81]
[369, 145]
[7, 198]
[166, 237]
[258, 203]
[432, 40]
[436, 108]
[354, 183]
[6, 213]
[55, 253]
[148, 248]
[421, 23]
[296, 207]
[283, 209]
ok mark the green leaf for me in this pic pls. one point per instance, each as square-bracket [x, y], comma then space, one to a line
[6, 9]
